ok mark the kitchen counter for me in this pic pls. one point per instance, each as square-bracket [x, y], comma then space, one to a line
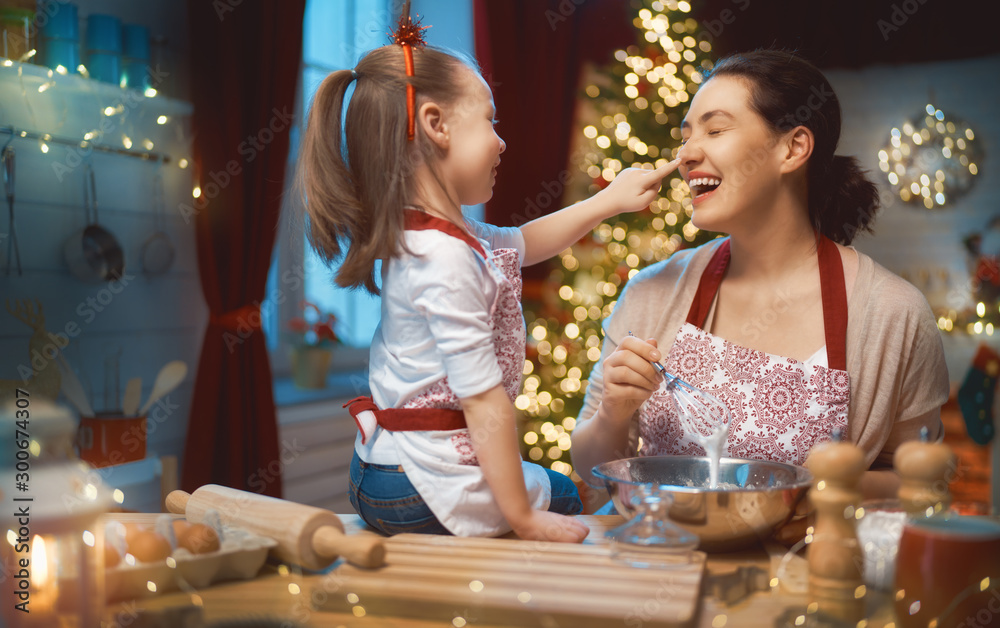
[281, 592]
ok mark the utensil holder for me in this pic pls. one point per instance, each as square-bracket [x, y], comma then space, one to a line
[111, 438]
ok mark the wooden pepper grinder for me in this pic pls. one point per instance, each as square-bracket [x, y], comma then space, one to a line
[925, 469]
[835, 557]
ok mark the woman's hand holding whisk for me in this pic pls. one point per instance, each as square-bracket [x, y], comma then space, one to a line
[629, 379]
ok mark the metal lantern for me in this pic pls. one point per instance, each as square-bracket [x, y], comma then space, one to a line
[51, 567]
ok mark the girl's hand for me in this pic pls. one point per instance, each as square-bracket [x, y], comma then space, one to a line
[634, 188]
[629, 378]
[541, 525]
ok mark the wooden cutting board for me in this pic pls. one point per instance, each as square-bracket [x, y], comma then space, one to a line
[467, 581]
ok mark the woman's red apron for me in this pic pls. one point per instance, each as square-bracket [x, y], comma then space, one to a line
[780, 407]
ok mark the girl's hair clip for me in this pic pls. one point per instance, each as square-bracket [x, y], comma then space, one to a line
[409, 35]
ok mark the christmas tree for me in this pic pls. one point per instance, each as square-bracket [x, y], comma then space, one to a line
[633, 113]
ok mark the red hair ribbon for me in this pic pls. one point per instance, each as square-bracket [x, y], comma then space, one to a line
[409, 34]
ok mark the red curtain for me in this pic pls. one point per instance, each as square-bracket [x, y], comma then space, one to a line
[531, 52]
[245, 68]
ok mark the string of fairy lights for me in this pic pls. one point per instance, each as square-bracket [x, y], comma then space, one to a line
[633, 103]
[119, 112]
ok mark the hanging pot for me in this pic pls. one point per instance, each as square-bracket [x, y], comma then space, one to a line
[158, 250]
[93, 254]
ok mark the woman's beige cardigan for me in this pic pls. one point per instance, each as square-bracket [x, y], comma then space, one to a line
[895, 358]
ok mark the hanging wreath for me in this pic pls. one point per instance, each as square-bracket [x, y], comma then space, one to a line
[931, 160]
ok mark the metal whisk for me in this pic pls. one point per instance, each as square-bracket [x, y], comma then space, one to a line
[701, 413]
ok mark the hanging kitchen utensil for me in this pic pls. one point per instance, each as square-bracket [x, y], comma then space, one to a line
[133, 394]
[158, 251]
[93, 253]
[169, 377]
[73, 389]
[112, 378]
[8, 181]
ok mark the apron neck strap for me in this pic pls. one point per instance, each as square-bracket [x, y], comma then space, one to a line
[833, 290]
[709, 284]
[416, 220]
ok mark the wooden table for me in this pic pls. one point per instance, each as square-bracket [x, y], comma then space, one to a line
[284, 593]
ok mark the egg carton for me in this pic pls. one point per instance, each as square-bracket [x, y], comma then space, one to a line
[240, 557]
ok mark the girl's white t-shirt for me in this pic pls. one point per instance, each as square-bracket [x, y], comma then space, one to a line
[436, 322]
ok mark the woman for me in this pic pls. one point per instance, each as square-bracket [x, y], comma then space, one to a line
[795, 331]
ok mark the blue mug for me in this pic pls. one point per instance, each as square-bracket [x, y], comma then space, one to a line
[104, 33]
[64, 52]
[59, 20]
[104, 66]
[136, 40]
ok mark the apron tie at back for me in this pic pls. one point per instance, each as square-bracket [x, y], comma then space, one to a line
[367, 416]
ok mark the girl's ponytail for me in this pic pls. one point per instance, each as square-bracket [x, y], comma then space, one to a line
[842, 201]
[324, 177]
[356, 167]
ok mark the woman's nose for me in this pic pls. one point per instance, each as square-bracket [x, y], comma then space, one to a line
[503, 144]
[689, 152]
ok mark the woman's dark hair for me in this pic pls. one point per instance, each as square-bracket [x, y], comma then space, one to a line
[787, 91]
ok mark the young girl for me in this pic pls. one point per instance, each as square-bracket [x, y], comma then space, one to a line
[438, 450]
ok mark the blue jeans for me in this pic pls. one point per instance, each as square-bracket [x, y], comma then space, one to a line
[388, 502]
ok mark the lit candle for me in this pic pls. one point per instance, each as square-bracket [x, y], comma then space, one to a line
[43, 583]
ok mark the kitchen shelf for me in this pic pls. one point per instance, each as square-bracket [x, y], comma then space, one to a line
[32, 92]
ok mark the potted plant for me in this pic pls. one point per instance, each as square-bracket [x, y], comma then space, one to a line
[313, 339]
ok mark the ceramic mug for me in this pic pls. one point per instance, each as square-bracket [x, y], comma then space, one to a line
[948, 570]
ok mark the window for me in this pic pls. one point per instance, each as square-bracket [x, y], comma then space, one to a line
[335, 34]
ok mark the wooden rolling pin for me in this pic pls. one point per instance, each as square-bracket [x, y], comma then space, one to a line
[306, 536]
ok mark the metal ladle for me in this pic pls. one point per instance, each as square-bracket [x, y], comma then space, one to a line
[93, 253]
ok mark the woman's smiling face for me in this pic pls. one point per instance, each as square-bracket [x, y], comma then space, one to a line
[728, 156]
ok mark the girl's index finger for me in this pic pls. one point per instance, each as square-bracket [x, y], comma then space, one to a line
[666, 168]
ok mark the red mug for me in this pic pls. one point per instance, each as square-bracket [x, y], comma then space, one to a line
[948, 570]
